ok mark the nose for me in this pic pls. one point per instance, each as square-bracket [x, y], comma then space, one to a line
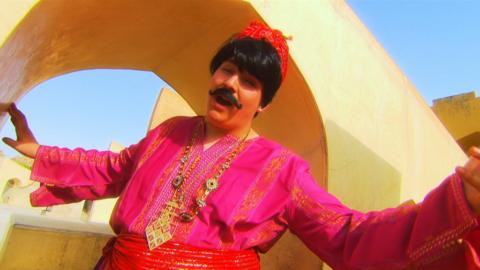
[232, 82]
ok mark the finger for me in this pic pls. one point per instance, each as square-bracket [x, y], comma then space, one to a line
[474, 152]
[467, 177]
[10, 142]
[14, 111]
[9, 109]
[463, 173]
[4, 109]
[17, 117]
[12, 107]
[460, 170]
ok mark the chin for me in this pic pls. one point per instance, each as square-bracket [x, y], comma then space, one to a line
[219, 120]
[213, 116]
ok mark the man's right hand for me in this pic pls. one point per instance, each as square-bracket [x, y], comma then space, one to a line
[26, 143]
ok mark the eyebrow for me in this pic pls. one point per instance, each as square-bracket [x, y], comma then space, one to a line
[243, 70]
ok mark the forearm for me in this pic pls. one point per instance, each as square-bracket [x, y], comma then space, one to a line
[30, 150]
[411, 235]
[73, 175]
[63, 167]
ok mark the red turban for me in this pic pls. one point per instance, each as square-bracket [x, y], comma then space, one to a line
[260, 31]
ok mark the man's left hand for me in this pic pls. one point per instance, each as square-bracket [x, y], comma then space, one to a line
[470, 174]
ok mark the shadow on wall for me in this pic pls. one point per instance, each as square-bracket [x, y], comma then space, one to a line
[377, 184]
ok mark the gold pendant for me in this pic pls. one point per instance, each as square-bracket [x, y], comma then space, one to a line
[186, 217]
[158, 231]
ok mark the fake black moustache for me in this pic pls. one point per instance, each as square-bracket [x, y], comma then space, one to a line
[226, 93]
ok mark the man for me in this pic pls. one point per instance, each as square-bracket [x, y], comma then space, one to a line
[207, 192]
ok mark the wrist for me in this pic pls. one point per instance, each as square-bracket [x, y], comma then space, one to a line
[473, 196]
[30, 150]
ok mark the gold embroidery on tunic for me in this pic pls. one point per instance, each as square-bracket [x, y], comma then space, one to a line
[141, 222]
[440, 243]
[261, 186]
[166, 129]
[320, 212]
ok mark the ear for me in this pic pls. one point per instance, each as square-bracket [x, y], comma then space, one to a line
[261, 109]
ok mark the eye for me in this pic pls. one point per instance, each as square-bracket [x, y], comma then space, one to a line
[227, 70]
[250, 83]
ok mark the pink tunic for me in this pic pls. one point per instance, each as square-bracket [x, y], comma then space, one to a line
[266, 190]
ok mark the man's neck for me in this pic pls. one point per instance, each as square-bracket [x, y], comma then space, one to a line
[212, 133]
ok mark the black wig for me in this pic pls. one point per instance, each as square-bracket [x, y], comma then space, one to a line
[258, 58]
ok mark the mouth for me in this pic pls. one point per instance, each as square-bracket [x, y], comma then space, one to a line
[223, 101]
[225, 97]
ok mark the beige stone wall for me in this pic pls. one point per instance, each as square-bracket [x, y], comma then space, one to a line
[168, 105]
[16, 186]
[29, 240]
[10, 169]
[11, 13]
[460, 114]
[29, 248]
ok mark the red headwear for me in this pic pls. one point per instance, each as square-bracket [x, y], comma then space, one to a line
[260, 31]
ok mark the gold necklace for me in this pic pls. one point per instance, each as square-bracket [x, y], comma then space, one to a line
[159, 231]
[211, 184]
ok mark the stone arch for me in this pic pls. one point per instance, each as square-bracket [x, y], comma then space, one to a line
[175, 40]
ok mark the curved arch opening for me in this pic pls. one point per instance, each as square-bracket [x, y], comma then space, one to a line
[90, 108]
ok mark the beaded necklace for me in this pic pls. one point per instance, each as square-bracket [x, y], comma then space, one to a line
[159, 230]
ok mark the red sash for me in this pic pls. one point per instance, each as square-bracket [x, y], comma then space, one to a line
[131, 252]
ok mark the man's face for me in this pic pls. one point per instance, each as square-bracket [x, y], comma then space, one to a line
[245, 88]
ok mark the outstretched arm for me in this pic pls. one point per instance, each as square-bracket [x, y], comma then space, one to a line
[435, 232]
[69, 175]
[72, 175]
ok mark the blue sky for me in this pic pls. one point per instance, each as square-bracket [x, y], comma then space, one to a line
[89, 109]
[435, 42]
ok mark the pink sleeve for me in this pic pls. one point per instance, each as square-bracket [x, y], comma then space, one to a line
[427, 235]
[73, 175]
[67, 176]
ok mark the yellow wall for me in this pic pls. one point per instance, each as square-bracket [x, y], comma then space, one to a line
[10, 169]
[17, 192]
[460, 114]
[15, 184]
[11, 13]
[168, 105]
[42, 249]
